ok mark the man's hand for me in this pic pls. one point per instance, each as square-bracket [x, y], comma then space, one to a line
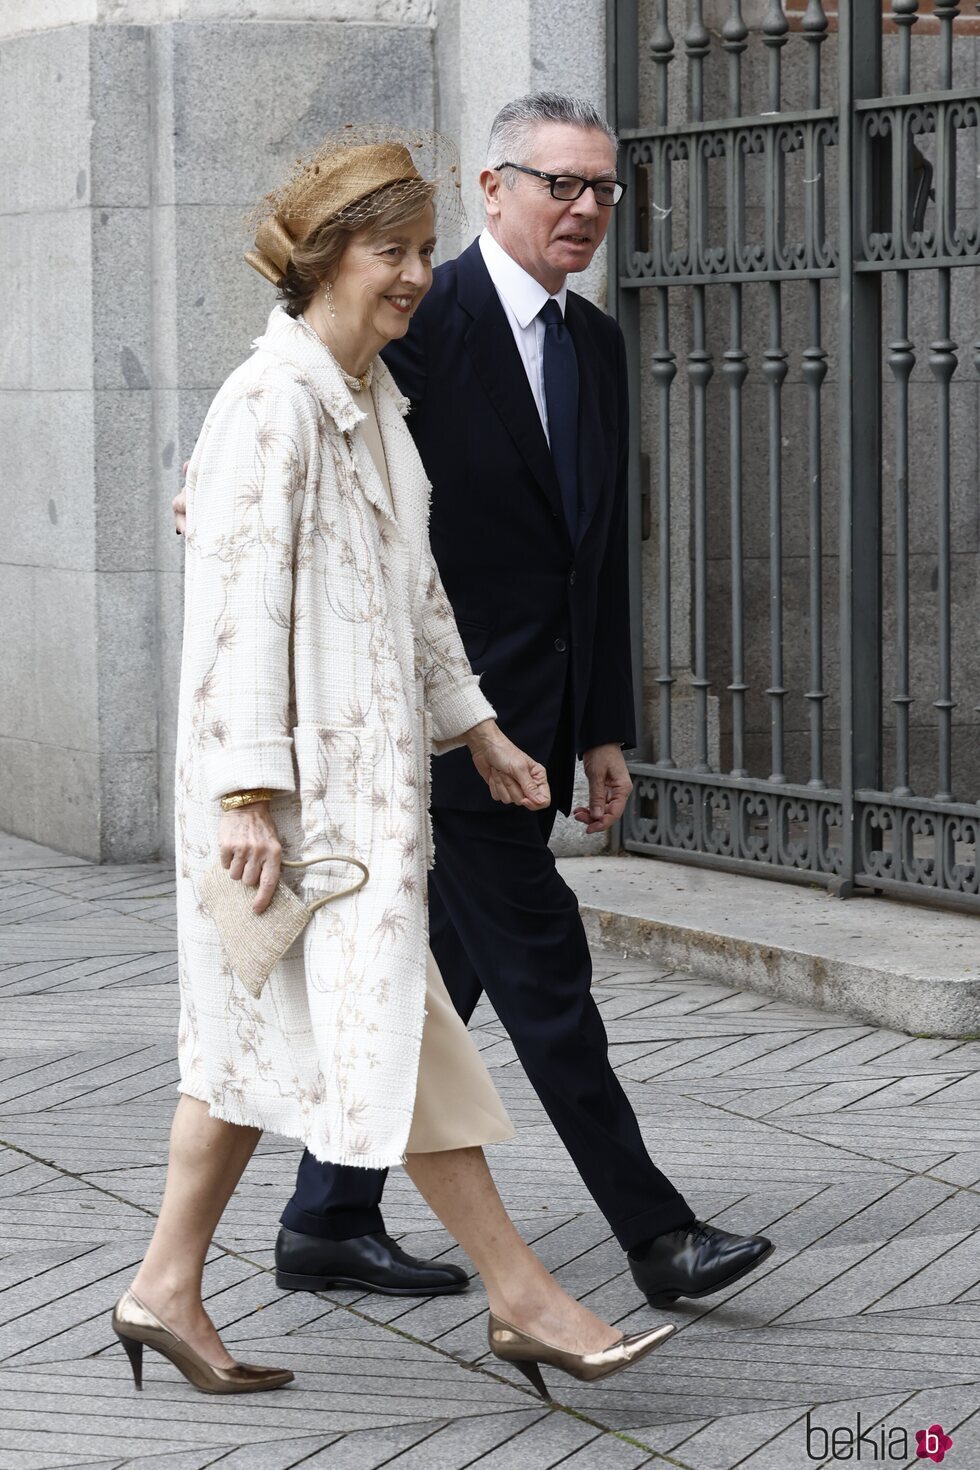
[609, 788]
[179, 506]
[513, 777]
[251, 851]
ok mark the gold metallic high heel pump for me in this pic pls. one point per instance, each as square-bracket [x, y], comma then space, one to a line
[511, 1345]
[136, 1327]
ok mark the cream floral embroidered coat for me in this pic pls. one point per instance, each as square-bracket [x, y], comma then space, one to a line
[320, 659]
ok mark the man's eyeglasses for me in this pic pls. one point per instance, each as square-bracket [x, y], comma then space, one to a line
[567, 187]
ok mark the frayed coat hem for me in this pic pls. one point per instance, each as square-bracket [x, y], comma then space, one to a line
[282, 1123]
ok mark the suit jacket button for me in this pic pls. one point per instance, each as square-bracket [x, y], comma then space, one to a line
[560, 645]
[571, 579]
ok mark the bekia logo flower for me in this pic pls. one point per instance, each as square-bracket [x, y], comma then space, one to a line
[932, 1443]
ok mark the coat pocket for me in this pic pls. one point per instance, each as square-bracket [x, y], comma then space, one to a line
[337, 771]
[475, 637]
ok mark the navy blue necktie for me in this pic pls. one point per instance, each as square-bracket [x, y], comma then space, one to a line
[561, 396]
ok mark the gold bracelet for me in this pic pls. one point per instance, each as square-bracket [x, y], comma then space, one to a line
[236, 799]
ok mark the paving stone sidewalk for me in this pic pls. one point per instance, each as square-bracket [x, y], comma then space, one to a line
[857, 1149]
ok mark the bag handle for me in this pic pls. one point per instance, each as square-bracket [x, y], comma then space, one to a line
[330, 857]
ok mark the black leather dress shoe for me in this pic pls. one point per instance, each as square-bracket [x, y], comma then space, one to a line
[368, 1262]
[694, 1261]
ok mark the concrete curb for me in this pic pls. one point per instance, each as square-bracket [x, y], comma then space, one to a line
[889, 964]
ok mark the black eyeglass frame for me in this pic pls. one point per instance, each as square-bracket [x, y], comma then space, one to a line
[552, 180]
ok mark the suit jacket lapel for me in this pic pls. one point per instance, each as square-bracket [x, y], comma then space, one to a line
[498, 364]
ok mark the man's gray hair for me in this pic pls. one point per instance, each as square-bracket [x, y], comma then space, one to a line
[512, 133]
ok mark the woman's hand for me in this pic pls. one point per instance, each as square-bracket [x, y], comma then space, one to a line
[179, 504]
[513, 777]
[251, 851]
[179, 507]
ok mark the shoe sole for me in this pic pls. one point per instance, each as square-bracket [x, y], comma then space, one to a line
[288, 1282]
[663, 1299]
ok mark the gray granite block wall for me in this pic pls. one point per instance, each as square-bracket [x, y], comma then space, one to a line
[48, 725]
[237, 105]
[130, 156]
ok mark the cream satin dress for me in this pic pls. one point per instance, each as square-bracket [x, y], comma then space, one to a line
[456, 1104]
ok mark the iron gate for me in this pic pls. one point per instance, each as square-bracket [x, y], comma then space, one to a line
[850, 200]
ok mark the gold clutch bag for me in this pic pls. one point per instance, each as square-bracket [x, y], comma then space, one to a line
[253, 943]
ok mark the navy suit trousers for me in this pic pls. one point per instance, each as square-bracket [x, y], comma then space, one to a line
[503, 921]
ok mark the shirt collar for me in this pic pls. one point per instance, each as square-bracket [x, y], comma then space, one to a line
[523, 294]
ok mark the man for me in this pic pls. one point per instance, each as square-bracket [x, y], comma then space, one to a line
[519, 411]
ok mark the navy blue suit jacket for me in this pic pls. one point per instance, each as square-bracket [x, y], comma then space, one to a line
[544, 621]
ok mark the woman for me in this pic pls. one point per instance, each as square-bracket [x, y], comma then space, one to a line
[321, 665]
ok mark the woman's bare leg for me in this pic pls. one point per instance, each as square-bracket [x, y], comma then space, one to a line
[207, 1159]
[459, 1189]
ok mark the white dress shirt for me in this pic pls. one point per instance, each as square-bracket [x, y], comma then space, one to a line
[522, 297]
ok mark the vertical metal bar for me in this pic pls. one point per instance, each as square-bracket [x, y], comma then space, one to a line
[904, 13]
[901, 361]
[946, 144]
[775, 34]
[699, 372]
[814, 372]
[696, 43]
[946, 13]
[774, 369]
[815, 26]
[775, 28]
[859, 373]
[943, 363]
[664, 369]
[622, 81]
[662, 53]
[735, 369]
[976, 367]
[734, 40]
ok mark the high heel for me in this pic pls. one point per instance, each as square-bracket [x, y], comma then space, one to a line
[134, 1352]
[136, 1327]
[512, 1345]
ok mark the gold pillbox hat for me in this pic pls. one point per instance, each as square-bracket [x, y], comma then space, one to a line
[346, 176]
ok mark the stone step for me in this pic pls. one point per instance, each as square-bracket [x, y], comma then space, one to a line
[894, 964]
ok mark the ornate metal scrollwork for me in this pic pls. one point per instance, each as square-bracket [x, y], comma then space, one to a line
[963, 836]
[680, 817]
[878, 828]
[928, 849]
[652, 165]
[719, 829]
[917, 140]
[786, 828]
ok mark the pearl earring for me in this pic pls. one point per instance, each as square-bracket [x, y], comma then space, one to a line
[328, 298]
